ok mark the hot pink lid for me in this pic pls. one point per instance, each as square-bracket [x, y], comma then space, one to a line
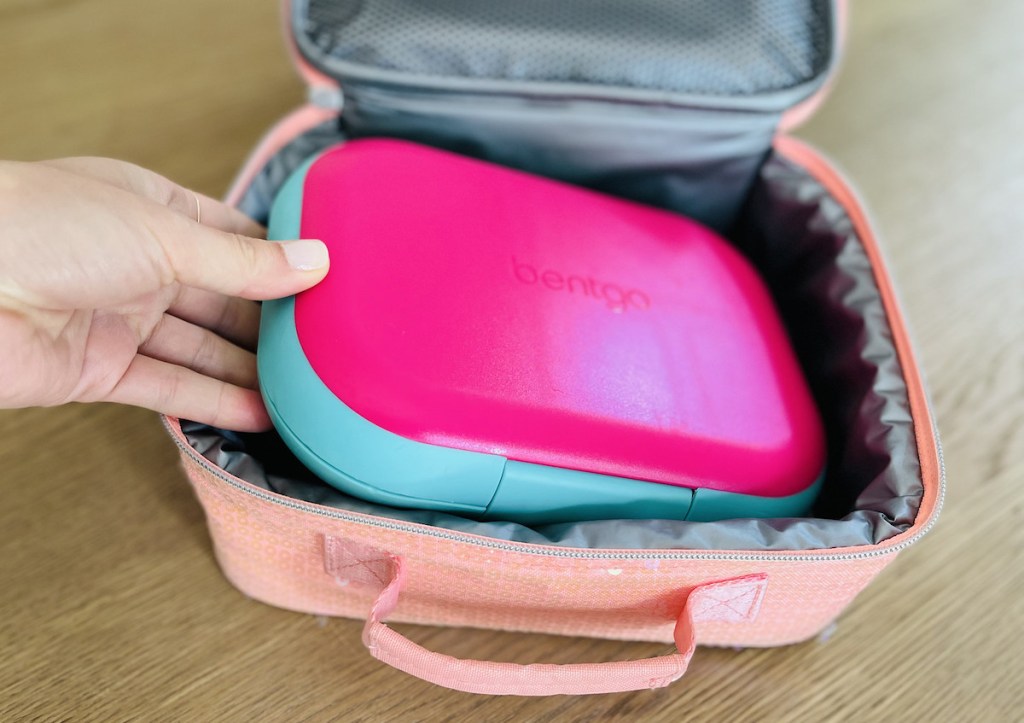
[481, 308]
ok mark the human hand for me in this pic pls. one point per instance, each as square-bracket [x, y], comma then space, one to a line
[111, 291]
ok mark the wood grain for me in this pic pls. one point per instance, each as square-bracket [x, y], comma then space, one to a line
[112, 608]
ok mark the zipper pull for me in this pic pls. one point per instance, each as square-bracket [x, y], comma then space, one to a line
[326, 96]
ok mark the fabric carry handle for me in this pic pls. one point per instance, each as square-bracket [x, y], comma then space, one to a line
[733, 600]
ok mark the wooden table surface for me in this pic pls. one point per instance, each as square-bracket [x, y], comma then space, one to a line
[111, 605]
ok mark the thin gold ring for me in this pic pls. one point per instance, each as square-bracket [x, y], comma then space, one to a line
[199, 209]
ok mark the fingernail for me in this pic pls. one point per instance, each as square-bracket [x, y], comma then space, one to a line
[306, 254]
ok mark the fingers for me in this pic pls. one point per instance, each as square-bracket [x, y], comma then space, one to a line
[155, 187]
[178, 342]
[237, 320]
[221, 254]
[187, 371]
[237, 265]
[184, 393]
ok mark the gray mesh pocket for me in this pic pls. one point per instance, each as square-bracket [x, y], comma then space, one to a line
[705, 47]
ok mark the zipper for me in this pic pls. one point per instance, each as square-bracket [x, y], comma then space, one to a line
[824, 171]
[533, 549]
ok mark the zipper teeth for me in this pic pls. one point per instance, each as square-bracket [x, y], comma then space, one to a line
[543, 551]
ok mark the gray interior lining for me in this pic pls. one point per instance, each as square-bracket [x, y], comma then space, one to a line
[700, 162]
[803, 242]
[711, 48]
[671, 103]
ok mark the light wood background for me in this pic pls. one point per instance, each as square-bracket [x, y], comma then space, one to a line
[112, 608]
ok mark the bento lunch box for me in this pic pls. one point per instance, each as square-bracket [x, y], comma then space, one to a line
[497, 344]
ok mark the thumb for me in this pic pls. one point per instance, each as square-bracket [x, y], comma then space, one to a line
[238, 265]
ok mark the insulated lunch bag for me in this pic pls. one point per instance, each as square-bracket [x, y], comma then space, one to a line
[682, 106]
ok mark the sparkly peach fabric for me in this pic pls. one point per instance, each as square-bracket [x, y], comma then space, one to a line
[276, 553]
